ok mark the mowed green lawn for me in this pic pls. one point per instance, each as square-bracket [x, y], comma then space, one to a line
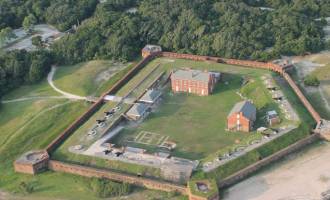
[88, 78]
[31, 125]
[197, 124]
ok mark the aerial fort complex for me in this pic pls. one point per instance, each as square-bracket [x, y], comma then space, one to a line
[181, 122]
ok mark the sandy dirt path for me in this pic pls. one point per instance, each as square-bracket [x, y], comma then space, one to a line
[302, 176]
[33, 98]
[66, 94]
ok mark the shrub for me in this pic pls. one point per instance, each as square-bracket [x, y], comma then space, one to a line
[311, 80]
[26, 188]
[105, 188]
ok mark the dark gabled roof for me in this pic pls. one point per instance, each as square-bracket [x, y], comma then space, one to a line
[246, 107]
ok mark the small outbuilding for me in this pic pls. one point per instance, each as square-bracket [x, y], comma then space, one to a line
[150, 50]
[151, 96]
[32, 162]
[242, 117]
[273, 118]
[137, 111]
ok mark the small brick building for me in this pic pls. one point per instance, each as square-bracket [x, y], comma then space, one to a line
[150, 49]
[242, 117]
[194, 81]
[32, 162]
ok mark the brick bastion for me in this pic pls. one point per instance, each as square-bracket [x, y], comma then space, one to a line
[40, 160]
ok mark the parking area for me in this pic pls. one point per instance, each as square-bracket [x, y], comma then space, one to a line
[24, 40]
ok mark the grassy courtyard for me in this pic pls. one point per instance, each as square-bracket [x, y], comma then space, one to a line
[196, 124]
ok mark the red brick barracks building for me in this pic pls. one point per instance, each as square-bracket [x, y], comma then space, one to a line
[242, 117]
[194, 81]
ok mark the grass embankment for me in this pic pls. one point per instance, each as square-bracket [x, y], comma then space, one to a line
[33, 124]
[90, 78]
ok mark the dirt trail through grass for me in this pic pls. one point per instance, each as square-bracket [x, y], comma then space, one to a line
[66, 94]
[31, 120]
[33, 98]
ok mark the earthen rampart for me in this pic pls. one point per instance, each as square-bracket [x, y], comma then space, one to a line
[101, 173]
[240, 175]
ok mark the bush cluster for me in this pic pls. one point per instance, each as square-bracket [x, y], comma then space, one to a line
[311, 80]
[105, 188]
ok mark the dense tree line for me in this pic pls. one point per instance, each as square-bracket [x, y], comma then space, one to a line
[60, 13]
[21, 67]
[227, 28]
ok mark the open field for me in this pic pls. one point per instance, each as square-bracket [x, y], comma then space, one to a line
[88, 78]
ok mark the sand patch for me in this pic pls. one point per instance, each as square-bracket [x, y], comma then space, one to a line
[304, 175]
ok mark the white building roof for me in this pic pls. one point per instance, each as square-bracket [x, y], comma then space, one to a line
[150, 96]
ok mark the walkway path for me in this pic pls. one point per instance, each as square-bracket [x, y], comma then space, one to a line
[33, 98]
[66, 94]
